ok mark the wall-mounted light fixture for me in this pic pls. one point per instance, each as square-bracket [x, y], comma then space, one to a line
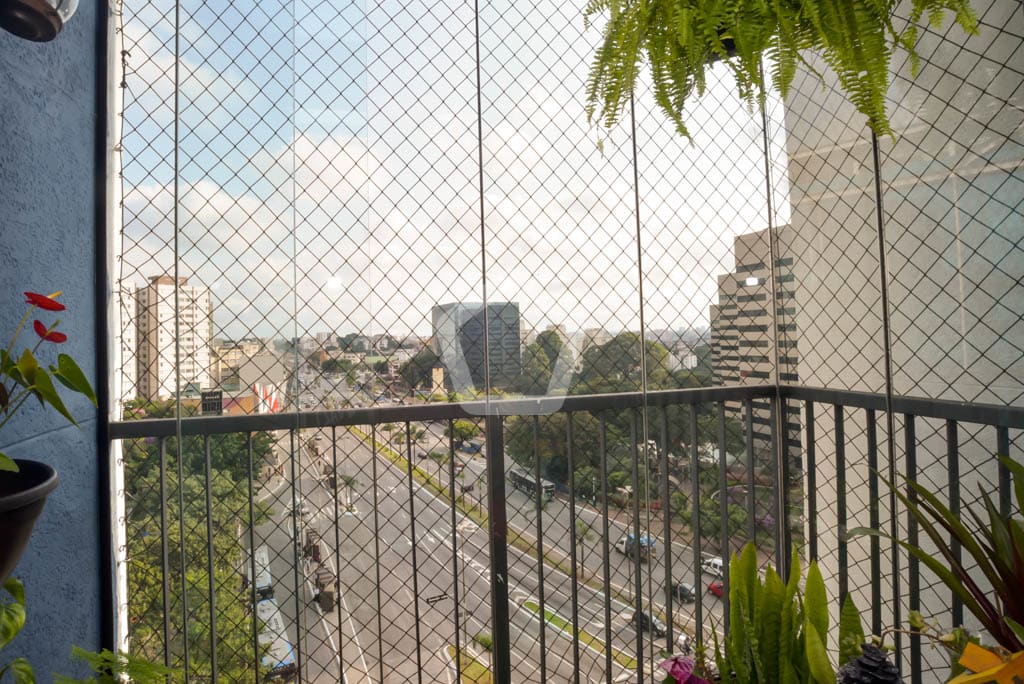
[38, 20]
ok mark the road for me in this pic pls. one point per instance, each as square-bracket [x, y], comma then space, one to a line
[391, 542]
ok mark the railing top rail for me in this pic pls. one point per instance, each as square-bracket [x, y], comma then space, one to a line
[944, 409]
[205, 425]
[986, 414]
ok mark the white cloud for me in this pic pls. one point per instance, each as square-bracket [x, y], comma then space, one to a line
[367, 223]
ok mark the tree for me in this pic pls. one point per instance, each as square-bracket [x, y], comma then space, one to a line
[551, 342]
[461, 430]
[418, 371]
[552, 444]
[711, 519]
[615, 366]
[336, 366]
[536, 369]
[584, 532]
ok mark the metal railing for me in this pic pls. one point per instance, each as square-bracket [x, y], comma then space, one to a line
[423, 573]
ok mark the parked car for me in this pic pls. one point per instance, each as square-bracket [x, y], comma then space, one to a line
[713, 566]
[717, 587]
[648, 623]
[685, 592]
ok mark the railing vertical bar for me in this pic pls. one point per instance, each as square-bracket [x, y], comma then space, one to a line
[181, 542]
[748, 430]
[209, 559]
[914, 575]
[294, 472]
[376, 549]
[605, 559]
[252, 559]
[1003, 449]
[165, 572]
[694, 472]
[538, 495]
[841, 552]
[634, 503]
[666, 507]
[873, 520]
[953, 470]
[723, 512]
[783, 531]
[415, 560]
[573, 541]
[455, 553]
[498, 532]
[811, 480]
[337, 550]
[776, 464]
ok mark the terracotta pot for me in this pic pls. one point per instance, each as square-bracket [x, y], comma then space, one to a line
[22, 495]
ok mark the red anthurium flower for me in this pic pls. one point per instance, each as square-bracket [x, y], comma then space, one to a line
[43, 302]
[51, 336]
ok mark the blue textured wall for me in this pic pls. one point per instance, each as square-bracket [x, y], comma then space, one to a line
[48, 117]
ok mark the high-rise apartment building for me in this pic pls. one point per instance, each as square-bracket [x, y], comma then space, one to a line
[459, 340]
[947, 205]
[173, 349]
[743, 345]
[128, 346]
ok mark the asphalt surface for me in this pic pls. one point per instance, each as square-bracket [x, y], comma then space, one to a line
[414, 579]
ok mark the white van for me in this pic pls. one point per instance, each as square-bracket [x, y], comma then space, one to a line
[713, 566]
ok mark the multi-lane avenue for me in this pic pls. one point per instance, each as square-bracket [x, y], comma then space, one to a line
[414, 580]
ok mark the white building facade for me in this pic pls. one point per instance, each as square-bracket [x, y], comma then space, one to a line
[173, 349]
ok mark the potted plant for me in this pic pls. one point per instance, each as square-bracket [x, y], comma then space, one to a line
[988, 581]
[25, 484]
[678, 39]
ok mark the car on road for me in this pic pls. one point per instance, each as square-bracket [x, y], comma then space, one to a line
[300, 508]
[713, 566]
[717, 587]
[648, 623]
[685, 592]
[628, 546]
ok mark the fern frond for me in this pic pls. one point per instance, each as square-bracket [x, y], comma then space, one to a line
[679, 38]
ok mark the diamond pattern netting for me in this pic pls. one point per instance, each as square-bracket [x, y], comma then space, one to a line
[314, 172]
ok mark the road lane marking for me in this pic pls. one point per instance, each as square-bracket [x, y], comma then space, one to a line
[351, 624]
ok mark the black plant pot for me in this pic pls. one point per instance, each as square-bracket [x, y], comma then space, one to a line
[22, 495]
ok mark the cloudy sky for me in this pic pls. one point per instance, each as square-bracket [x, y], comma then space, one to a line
[328, 170]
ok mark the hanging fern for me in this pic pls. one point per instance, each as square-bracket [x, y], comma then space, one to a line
[680, 38]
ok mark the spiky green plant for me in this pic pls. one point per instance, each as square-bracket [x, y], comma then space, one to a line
[995, 545]
[778, 633]
[679, 38]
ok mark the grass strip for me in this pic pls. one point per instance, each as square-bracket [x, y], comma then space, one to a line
[585, 637]
[473, 671]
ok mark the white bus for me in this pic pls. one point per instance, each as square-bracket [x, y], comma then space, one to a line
[263, 580]
[279, 658]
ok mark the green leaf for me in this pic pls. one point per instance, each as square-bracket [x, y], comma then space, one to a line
[12, 615]
[7, 463]
[27, 366]
[112, 667]
[47, 392]
[770, 618]
[817, 656]
[851, 632]
[1015, 627]
[73, 378]
[22, 671]
[816, 600]
[1017, 471]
